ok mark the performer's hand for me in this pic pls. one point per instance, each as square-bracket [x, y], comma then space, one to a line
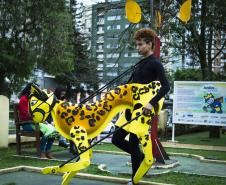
[147, 109]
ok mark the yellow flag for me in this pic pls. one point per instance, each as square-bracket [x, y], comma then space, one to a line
[158, 20]
[185, 11]
[133, 11]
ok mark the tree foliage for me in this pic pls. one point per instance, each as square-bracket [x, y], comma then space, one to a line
[84, 71]
[33, 34]
[202, 38]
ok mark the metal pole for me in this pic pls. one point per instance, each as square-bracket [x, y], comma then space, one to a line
[152, 13]
[173, 132]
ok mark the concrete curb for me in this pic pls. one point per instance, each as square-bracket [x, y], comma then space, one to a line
[199, 157]
[171, 144]
[80, 175]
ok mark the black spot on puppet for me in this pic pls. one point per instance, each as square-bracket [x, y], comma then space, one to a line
[142, 120]
[76, 127]
[134, 89]
[143, 90]
[101, 112]
[109, 96]
[70, 120]
[128, 114]
[75, 112]
[125, 93]
[98, 118]
[136, 97]
[117, 90]
[107, 107]
[65, 105]
[72, 135]
[137, 106]
[89, 108]
[77, 131]
[63, 115]
[92, 122]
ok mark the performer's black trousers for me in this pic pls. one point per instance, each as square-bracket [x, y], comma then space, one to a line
[131, 147]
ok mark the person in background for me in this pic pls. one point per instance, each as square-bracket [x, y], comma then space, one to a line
[24, 115]
[148, 70]
[61, 94]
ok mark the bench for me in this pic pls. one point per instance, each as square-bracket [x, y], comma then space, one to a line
[20, 132]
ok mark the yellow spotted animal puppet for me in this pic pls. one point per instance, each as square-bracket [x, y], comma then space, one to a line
[82, 123]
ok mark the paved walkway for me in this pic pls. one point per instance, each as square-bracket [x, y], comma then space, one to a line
[31, 178]
[117, 164]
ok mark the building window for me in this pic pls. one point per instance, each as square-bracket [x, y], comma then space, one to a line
[100, 56]
[112, 74]
[114, 17]
[100, 21]
[127, 64]
[100, 74]
[126, 25]
[127, 55]
[100, 28]
[112, 65]
[135, 55]
[100, 46]
[112, 55]
[112, 45]
[112, 36]
[113, 27]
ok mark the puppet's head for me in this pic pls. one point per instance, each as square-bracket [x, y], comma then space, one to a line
[41, 102]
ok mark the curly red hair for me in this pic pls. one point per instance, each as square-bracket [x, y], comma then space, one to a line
[147, 34]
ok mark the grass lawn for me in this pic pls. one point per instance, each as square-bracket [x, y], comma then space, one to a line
[205, 153]
[8, 160]
[201, 138]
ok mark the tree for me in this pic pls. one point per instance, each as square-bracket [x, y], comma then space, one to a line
[204, 33]
[33, 34]
[84, 71]
[203, 36]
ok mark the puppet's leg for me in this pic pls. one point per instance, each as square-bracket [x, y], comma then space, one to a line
[140, 127]
[79, 137]
[67, 177]
[148, 157]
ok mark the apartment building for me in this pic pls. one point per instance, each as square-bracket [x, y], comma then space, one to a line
[108, 40]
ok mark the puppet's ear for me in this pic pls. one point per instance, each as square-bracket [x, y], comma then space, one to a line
[35, 89]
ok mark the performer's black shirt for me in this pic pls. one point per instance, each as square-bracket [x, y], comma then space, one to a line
[150, 69]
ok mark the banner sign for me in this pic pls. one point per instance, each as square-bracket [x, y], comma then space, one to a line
[202, 103]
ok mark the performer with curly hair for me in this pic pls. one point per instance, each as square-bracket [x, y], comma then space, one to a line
[148, 70]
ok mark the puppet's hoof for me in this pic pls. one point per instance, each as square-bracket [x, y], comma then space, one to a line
[48, 170]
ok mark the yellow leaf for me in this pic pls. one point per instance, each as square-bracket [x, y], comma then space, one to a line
[185, 11]
[158, 20]
[133, 11]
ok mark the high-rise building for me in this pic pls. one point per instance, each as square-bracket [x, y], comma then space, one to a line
[108, 43]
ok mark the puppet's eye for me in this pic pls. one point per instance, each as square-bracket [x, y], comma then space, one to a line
[33, 102]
